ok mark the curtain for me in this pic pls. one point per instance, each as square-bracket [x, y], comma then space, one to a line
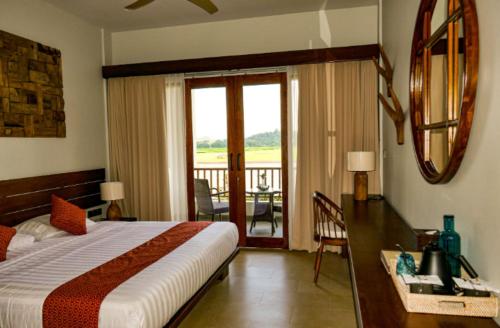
[313, 156]
[356, 111]
[336, 112]
[176, 150]
[138, 145]
[292, 120]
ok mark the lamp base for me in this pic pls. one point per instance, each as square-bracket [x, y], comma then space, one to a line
[114, 212]
[360, 186]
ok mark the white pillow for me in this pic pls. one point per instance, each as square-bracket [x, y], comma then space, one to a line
[39, 230]
[45, 219]
[89, 223]
[20, 241]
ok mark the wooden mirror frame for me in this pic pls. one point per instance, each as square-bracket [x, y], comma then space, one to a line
[420, 74]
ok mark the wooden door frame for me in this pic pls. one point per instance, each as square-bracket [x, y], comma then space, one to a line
[235, 146]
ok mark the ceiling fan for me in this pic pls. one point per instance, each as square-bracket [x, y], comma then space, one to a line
[206, 5]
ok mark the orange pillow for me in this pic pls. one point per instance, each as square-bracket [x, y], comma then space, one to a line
[6, 235]
[68, 217]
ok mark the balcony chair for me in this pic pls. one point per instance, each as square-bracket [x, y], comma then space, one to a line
[329, 227]
[204, 201]
[277, 208]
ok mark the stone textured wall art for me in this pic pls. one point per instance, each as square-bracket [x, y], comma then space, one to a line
[31, 89]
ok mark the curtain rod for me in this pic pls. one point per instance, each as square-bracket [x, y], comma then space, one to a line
[234, 72]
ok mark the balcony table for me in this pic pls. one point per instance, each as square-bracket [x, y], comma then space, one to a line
[257, 193]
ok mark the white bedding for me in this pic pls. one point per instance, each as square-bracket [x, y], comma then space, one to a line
[148, 299]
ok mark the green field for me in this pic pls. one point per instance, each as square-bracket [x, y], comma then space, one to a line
[252, 154]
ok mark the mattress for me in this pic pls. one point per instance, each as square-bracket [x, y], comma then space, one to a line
[148, 299]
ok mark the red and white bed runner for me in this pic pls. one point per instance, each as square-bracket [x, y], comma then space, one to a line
[77, 302]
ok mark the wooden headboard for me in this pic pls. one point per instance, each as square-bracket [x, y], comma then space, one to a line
[23, 199]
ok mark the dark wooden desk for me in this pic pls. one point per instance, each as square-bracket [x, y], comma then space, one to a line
[372, 226]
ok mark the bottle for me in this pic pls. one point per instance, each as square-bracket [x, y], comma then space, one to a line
[449, 240]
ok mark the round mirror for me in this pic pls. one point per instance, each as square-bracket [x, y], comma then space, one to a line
[444, 65]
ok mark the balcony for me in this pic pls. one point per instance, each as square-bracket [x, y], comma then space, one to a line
[218, 179]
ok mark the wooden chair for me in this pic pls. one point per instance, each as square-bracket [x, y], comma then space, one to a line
[329, 227]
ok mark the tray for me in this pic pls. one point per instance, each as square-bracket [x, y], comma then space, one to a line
[439, 304]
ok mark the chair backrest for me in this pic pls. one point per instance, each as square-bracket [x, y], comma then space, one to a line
[203, 196]
[328, 217]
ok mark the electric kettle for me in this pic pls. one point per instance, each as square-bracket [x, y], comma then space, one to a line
[434, 263]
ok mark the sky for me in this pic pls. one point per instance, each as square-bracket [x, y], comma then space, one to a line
[261, 105]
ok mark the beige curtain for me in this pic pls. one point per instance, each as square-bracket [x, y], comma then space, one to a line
[314, 158]
[356, 113]
[138, 148]
[337, 113]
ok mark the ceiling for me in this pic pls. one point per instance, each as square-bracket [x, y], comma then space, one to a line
[111, 15]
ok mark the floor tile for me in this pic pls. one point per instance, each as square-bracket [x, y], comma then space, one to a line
[274, 288]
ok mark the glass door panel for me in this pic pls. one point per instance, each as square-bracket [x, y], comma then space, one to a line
[263, 174]
[210, 153]
[262, 100]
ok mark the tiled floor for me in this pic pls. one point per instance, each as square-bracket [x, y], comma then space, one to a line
[274, 288]
[263, 229]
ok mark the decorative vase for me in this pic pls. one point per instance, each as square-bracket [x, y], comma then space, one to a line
[263, 184]
[449, 240]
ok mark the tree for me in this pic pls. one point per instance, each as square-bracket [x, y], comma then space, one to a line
[203, 144]
[219, 143]
[265, 139]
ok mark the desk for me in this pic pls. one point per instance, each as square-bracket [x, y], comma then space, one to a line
[372, 226]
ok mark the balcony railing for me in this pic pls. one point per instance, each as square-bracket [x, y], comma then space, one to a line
[218, 177]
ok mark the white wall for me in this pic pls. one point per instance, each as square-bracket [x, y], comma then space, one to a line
[474, 194]
[80, 44]
[331, 28]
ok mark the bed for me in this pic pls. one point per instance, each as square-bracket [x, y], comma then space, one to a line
[160, 295]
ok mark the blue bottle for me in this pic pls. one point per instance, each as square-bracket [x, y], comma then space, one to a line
[449, 240]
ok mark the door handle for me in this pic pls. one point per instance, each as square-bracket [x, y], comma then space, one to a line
[230, 164]
[238, 158]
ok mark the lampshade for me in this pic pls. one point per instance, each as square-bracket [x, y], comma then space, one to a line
[111, 190]
[360, 161]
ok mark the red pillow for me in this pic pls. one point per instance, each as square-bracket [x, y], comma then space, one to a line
[68, 217]
[6, 235]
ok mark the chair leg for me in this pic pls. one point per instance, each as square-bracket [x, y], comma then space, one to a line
[345, 254]
[197, 215]
[316, 259]
[319, 255]
[213, 216]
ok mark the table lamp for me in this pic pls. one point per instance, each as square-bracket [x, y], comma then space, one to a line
[112, 191]
[360, 162]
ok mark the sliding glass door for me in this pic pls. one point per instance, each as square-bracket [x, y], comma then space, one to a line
[236, 151]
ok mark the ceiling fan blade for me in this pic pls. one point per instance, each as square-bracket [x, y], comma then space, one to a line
[206, 5]
[138, 4]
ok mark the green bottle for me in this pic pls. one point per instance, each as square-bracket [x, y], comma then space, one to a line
[449, 240]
